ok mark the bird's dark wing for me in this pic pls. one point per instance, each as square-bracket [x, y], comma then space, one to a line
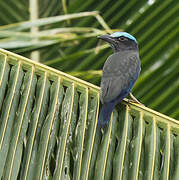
[120, 72]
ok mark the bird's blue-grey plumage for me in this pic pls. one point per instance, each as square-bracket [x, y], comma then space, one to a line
[120, 72]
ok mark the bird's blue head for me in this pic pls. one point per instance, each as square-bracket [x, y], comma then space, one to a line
[120, 41]
[123, 34]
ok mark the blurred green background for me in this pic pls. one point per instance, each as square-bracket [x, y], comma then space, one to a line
[65, 37]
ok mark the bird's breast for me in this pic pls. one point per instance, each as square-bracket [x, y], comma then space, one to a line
[121, 63]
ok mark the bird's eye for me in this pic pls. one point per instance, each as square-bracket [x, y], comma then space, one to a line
[122, 39]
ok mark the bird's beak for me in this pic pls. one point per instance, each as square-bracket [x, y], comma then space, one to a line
[107, 38]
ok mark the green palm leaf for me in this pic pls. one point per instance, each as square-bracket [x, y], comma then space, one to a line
[48, 130]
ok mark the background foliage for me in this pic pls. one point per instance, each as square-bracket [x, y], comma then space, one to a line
[71, 45]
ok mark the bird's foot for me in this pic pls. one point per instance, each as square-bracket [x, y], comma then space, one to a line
[134, 100]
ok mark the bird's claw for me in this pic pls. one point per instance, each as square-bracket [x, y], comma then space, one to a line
[134, 100]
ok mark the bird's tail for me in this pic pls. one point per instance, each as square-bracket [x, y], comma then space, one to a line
[105, 114]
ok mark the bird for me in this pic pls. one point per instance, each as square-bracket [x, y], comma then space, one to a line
[120, 72]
